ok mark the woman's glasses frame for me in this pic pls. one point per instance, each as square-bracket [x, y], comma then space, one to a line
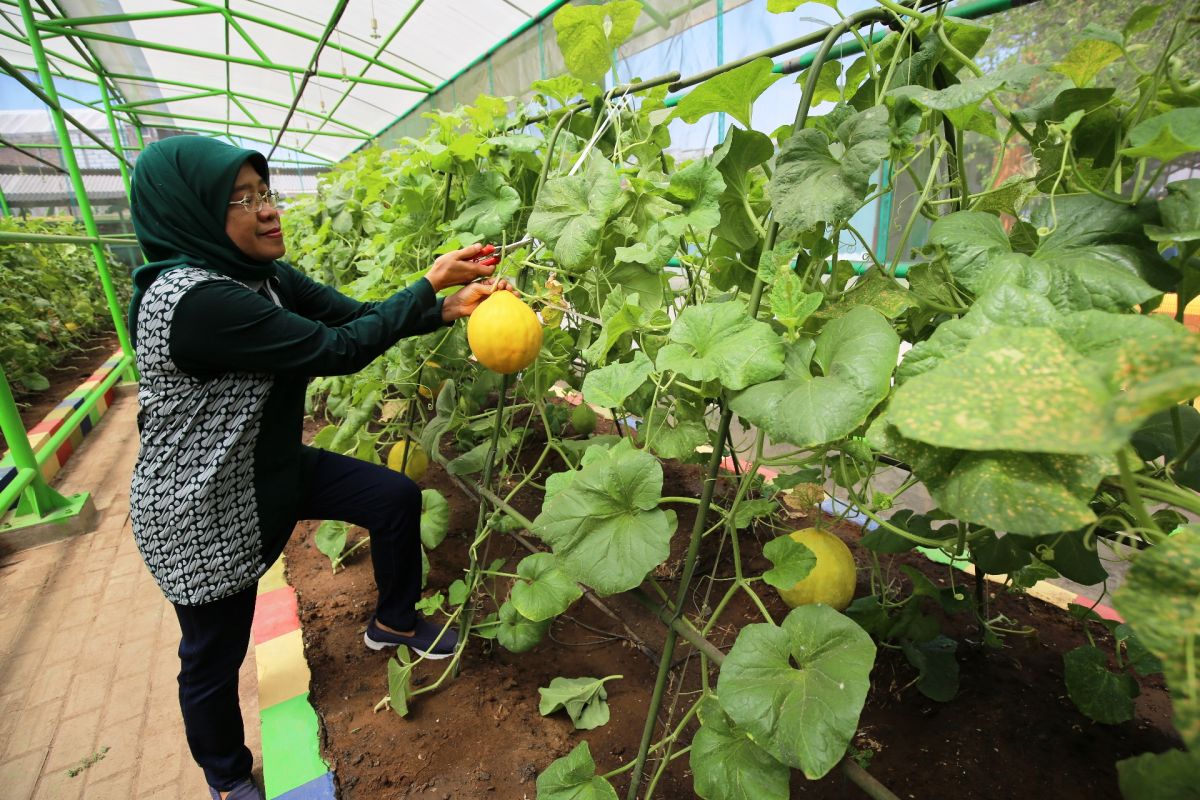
[254, 201]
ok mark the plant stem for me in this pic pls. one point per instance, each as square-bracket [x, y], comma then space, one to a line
[1133, 495]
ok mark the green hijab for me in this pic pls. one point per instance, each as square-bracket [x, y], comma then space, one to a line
[178, 200]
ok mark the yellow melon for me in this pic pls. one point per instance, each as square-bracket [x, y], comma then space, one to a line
[504, 333]
[418, 461]
[832, 579]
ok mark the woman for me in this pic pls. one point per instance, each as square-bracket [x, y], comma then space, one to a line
[227, 336]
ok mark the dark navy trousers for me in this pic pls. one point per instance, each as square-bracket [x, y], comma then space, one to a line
[215, 635]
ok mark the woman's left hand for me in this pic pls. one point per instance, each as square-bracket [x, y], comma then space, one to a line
[464, 302]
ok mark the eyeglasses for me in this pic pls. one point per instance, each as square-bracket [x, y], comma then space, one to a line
[254, 201]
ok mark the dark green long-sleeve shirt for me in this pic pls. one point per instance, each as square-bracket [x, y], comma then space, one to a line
[224, 367]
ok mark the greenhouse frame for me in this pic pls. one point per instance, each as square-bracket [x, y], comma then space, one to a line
[849, 392]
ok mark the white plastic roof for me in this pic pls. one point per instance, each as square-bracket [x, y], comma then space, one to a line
[386, 74]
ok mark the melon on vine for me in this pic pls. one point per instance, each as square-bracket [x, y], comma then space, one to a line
[418, 461]
[583, 419]
[505, 334]
[831, 580]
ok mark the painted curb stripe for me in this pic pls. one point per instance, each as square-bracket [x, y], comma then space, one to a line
[275, 614]
[291, 751]
[50, 424]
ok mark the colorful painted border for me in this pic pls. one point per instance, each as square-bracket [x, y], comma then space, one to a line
[291, 740]
[51, 423]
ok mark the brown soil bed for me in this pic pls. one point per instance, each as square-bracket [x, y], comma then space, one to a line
[1011, 731]
[75, 367]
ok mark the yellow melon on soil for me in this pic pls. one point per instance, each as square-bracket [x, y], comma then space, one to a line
[832, 579]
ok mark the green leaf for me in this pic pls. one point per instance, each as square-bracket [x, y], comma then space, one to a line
[798, 689]
[545, 591]
[561, 88]
[722, 342]
[570, 212]
[1070, 554]
[435, 518]
[999, 555]
[856, 354]
[573, 777]
[1167, 136]
[1022, 389]
[1099, 693]
[733, 92]
[674, 438]
[1156, 439]
[400, 681]
[783, 6]
[938, 668]
[738, 158]
[960, 101]
[728, 765]
[584, 700]
[587, 35]
[489, 206]
[790, 561]
[811, 185]
[1180, 213]
[1142, 20]
[1024, 493]
[330, 538]
[609, 386]
[1158, 599]
[605, 526]
[1090, 260]
[790, 304]
[1173, 775]
[697, 187]
[1086, 58]
[827, 89]
[516, 633]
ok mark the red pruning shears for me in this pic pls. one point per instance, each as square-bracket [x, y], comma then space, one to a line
[485, 257]
[490, 254]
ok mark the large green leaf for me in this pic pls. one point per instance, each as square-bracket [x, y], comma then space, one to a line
[588, 35]
[812, 185]
[722, 342]
[1021, 389]
[608, 386]
[489, 206]
[733, 92]
[697, 188]
[1167, 136]
[1180, 211]
[1155, 439]
[605, 526]
[728, 765]
[737, 159]
[1091, 259]
[573, 777]
[1097, 691]
[1024, 493]
[798, 689]
[571, 211]
[856, 353]
[544, 590]
[1159, 600]
[1173, 775]
[960, 101]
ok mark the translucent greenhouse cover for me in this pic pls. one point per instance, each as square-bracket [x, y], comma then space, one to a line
[185, 64]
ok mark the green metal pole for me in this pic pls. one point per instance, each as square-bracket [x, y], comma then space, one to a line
[39, 498]
[4, 204]
[720, 59]
[68, 156]
[883, 228]
[112, 129]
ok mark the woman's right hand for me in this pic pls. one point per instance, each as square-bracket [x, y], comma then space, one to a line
[459, 267]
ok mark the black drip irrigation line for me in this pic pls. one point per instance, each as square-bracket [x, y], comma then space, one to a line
[310, 72]
[37, 92]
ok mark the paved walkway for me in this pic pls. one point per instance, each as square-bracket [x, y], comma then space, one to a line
[88, 647]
